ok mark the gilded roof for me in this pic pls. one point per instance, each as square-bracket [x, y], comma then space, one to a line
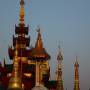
[39, 52]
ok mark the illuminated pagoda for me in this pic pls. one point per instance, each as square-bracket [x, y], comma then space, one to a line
[30, 69]
[76, 82]
[23, 57]
[22, 40]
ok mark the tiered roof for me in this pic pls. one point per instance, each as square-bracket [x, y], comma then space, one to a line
[21, 36]
[39, 53]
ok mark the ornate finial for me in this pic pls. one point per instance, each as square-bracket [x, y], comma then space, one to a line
[22, 2]
[59, 57]
[21, 12]
[38, 28]
[39, 43]
[76, 63]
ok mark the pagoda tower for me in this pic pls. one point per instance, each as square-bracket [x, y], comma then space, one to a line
[21, 43]
[15, 82]
[76, 81]
[41, 64]
[21, 74]
[21, 37]
[59, 71]
[40, 57]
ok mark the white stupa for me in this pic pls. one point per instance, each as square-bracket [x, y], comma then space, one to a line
[40, 87]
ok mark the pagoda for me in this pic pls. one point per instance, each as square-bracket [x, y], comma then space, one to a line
[30, 69]
[24, 58]
[59, 71]
[15, 82]
[23, 41]
[76, 81]
[40, 57]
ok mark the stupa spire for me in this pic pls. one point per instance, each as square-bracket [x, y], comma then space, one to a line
[21, 14]
[59, 71]
[39, 43]
[15, 82]
[76, 81]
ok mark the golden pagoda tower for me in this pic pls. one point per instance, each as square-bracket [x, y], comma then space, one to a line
[40, 57]
[76, 81]
[15, 82]
[20, 75]
[21, 37]
[59, 71]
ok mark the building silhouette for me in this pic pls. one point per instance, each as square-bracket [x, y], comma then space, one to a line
[30, 69]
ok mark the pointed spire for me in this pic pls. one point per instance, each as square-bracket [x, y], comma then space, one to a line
[21, 14]
[59, 56]
[15, 82]
[39, 52]
[39, 43]
[76, 63]
[76, 81]
[59, 71]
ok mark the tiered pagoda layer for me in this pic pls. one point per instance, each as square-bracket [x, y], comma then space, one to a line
[21, 37]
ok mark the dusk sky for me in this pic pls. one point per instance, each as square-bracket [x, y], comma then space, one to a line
[67, 21]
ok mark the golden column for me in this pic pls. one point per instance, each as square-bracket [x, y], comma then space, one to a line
[37, 74]
[76, 81]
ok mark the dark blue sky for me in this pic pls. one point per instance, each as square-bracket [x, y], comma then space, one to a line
[67, 21]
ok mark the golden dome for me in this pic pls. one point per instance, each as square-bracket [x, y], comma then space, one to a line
[15, 84]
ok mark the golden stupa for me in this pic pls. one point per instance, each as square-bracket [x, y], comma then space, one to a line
[15, 82]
